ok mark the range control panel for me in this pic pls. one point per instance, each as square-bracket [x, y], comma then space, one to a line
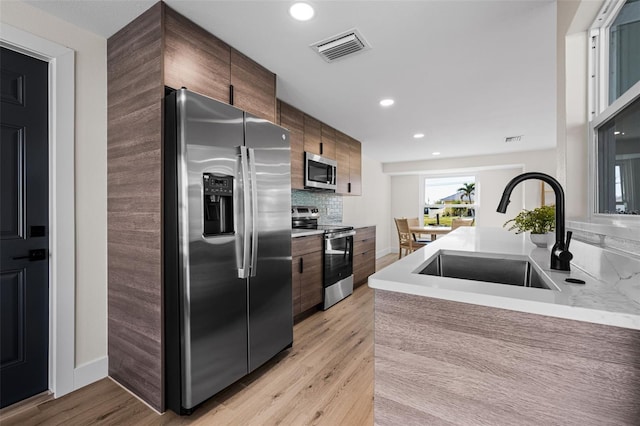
[305, 212]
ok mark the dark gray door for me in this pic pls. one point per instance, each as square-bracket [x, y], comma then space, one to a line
[24, 266]
[270, 316]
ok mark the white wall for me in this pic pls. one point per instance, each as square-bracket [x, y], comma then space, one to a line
[91, 170]
[574, 18]
[405, 201]
[576, 142]
[372, 208]
[489, 187]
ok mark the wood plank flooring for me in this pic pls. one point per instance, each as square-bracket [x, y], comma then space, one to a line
[325, 379]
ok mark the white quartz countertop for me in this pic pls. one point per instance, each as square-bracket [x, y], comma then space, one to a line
[357, 226]
[610, 296]
[305, 232]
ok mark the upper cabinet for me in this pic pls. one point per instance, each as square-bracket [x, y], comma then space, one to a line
[343, 157]
[312, 134]
[355, 167]
[293, 119]
[348, 153]
[328, 142]
[254, 87]
[197, 60]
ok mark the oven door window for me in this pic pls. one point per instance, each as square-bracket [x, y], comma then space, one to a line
[338, 259]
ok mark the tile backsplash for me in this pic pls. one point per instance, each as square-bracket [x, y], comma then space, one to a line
[329, 204]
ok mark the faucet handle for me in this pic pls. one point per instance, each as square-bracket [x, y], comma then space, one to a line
[564, 254]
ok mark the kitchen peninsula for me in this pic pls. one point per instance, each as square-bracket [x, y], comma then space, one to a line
[468, 352]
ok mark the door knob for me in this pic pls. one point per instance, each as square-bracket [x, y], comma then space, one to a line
[37, 254]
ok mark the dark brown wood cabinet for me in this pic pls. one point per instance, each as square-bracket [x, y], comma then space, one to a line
[199, 61]
[195, 59]
[306, 272]
[293, 119]
[254, 87]
[343, 157]
[312, 134]
[159, 48]
[349, 157]
[364, 254]
[328, 142]
[355, 167]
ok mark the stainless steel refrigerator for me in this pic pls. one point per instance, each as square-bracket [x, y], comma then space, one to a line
[227, 245]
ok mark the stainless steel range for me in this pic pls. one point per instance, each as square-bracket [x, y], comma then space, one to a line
[338, 253]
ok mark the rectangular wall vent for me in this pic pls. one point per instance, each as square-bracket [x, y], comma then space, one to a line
[341, 45]
[510, 139]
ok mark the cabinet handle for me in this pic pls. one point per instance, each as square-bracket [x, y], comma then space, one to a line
[231, 94]
[321, 148]
[349, 190]
[301, 265]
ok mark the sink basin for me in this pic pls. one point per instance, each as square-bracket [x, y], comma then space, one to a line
[519, 272]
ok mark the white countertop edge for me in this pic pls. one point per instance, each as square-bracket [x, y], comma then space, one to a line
[295, 233]
[615, 319]
[361, 226]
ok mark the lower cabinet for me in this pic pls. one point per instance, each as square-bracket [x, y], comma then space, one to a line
[364, 254]
[306, 272]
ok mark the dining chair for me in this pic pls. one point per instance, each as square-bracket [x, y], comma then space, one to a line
[406, 239]
[456, 223]
[414, 221]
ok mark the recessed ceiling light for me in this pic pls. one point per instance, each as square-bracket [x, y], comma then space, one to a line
[387, 102]
[301, 11]
[435, 153]
[616, 133]
[418, 135]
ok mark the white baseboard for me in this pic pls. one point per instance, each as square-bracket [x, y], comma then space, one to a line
[90, 372]
[383, 252]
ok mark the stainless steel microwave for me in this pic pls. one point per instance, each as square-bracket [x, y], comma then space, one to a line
[319, 172]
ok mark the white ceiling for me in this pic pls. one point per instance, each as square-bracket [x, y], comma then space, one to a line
[465, 73]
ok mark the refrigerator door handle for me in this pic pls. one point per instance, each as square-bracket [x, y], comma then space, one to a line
[254, 212]
[243, 272]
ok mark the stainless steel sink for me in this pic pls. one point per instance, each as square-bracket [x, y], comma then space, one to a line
[518, 272]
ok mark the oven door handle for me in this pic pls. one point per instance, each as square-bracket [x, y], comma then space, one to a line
[342, 234]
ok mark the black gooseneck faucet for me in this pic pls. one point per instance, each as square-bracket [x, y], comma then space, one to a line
[560, 255]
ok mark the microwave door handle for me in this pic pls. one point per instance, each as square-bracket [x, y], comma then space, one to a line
[243, 272]
[331, 178]
[254, 212]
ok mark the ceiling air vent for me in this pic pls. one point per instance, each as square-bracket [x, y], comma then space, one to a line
[341, 45]
[510, 139]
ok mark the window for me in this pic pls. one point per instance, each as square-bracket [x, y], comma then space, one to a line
[624, 50]
[446, 198]
[615, 109]
[618, 154]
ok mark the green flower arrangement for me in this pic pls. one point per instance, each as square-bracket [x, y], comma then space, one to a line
[539, 221]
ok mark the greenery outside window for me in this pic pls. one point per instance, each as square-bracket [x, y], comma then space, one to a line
[446, 198]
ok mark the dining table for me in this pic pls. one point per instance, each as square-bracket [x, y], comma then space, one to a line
[433, 230]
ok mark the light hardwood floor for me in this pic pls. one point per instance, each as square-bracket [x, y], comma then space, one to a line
[325, 379]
